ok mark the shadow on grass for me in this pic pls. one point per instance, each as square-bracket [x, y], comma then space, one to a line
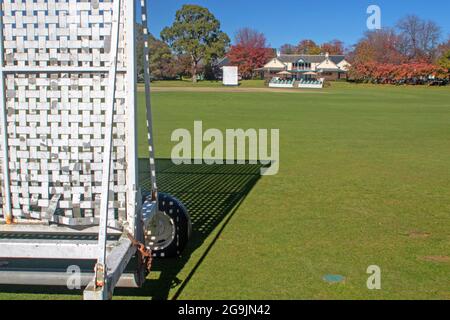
[211, 193]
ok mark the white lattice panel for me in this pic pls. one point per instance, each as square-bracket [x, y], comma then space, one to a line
[56, 120]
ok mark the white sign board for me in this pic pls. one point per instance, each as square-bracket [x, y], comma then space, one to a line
[230, 76]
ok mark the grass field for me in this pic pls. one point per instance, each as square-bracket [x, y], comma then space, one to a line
[206, 83]
[364, 180]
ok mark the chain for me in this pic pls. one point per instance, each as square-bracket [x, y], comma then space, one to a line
[146, 254]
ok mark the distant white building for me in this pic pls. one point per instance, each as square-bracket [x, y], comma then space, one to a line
[329, 67]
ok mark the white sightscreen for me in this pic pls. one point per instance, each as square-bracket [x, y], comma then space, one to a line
[230, 76]
[56, 119]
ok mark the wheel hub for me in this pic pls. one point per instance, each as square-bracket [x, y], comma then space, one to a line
[161, 231]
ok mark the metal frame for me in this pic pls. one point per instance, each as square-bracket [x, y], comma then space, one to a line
[112, 255]
[101, 281]
[5, 157]
[59, 278]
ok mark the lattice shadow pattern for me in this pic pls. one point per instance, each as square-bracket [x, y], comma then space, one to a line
[211, 194]
[208, 191]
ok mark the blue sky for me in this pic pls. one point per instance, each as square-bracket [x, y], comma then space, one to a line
[288, 21]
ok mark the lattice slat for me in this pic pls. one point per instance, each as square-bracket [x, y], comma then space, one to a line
[56, 121]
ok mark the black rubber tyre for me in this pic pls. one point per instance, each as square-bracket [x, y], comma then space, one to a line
[178, 223]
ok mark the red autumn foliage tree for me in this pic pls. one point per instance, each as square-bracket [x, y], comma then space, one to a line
[380, 46]
[249, 52]
[378, 58]
[334, 47]
[410, 72]
[410, 56]
[247, 37]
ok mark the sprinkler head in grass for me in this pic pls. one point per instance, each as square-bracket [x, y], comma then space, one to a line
[334, 278]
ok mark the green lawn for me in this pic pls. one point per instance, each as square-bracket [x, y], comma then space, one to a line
[364, 180]
[207, 83]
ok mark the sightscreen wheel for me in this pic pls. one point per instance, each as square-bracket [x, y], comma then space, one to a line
[169, 231]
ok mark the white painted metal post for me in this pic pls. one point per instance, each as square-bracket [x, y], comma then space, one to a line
[100, 274]
[133, 206]
[7, 213]
[148, 102]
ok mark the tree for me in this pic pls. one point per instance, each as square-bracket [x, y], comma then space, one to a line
[248, 59]
[410, 72]
[250, 51]
[443, 56]
[184, 65]
[196, 32]
[308, 47]
[378, 46]
[288, 49]
[444, 60]
[140, 51]
[248, 37]
[410, 56]
[335, 47]
[161, 60]
[419, 38]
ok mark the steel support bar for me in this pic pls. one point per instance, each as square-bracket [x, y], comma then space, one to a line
[100, 273]
[62, 69]
[67, 221]
[37, 229]
[58, 278]
[133, 194]
[48, 249]
[116, 263]
[148, 103]
[6, 194]
[54, 249]
[110, 102]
